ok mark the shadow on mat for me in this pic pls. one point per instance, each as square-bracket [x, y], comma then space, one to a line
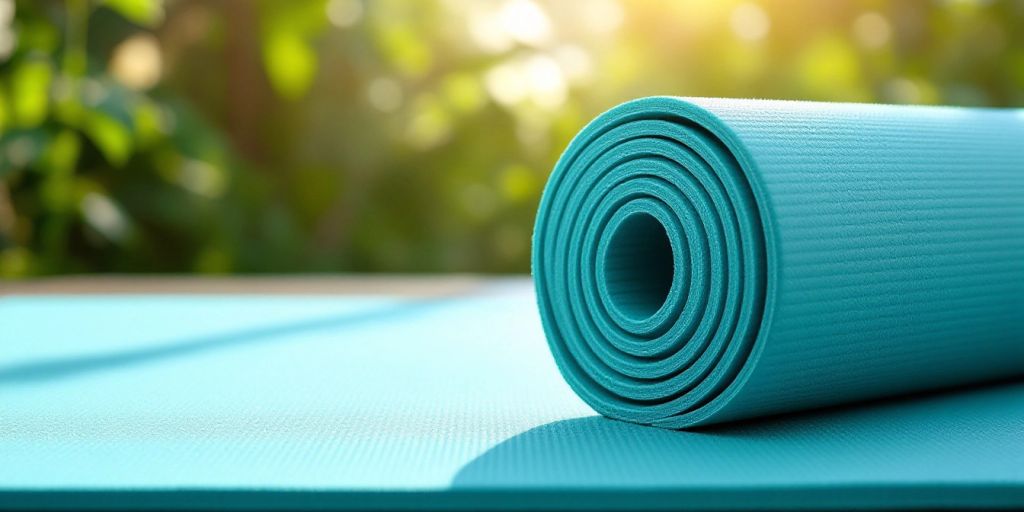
[58, 368]
[973, 434]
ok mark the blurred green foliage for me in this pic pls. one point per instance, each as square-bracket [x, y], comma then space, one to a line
[387, 135]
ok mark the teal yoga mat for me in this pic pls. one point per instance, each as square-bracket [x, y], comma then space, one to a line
[324, 403]
[699, 261]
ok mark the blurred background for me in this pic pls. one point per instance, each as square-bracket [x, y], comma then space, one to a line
[239, 136]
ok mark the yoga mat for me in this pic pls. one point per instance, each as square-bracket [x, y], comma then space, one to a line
[699, 261]
[235, 402]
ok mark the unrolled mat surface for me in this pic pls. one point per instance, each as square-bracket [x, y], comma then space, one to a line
[700, 261]
[240, 402]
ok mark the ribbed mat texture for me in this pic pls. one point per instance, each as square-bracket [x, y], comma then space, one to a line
[705, 260]
[234, 402]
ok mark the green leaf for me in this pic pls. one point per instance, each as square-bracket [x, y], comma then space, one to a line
[403, 46]
[61, 155]
[150, 123]
[30, 88]
[15, 262]
[288, 29]
[4, 110]
[290, 62]
[147, 13]
[111, 136]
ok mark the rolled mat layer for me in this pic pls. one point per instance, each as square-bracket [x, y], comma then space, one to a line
[703, 260]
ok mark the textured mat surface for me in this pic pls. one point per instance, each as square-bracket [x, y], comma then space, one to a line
[235, 402]
[701, 261]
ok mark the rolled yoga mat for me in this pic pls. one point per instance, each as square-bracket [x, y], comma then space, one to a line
[705, 260]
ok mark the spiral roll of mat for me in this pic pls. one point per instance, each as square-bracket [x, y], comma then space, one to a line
[701, 260]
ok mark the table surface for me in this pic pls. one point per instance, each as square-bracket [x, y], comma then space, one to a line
[416, 393]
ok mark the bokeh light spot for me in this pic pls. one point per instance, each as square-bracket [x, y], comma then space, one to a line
[872, 30]
[137, 62]
[750, 22]
[344, 13]
[385, 94]
[603, 16]
[525, 22]
[8, 38]
[104, 216]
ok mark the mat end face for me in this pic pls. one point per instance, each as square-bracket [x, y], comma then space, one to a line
[651, 263]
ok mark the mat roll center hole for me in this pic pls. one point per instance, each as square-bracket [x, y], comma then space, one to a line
[639, 266]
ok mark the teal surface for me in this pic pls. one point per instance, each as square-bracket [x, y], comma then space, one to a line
[699, 261]
[234, 402]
